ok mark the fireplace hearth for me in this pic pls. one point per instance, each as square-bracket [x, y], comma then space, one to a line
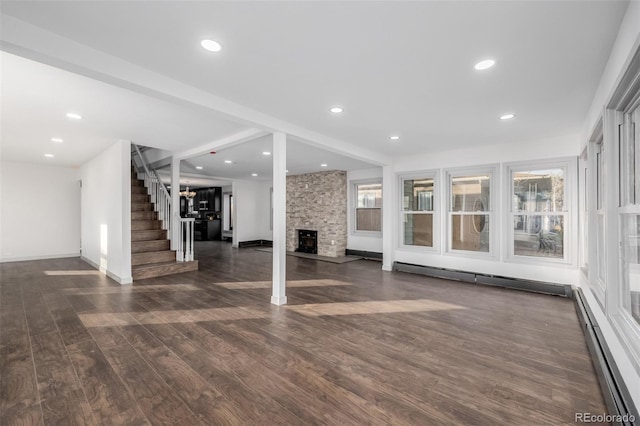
[307, 241]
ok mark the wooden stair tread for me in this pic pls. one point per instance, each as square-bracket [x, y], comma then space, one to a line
[150, 257]
[148, 235]
[145, 246]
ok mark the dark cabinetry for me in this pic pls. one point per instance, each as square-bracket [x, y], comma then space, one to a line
[207, 230]
[209, 199]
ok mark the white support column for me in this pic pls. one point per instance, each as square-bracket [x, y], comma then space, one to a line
[278, 296]
[175, 202]
[389, 204]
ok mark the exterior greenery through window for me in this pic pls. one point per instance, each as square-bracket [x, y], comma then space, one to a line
[368, 206]
[417, 211]
[539, 213]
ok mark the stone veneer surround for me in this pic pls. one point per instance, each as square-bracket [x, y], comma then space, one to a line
[318, 201]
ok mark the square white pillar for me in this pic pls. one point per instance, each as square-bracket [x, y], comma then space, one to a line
[175, 202]
[389, 222]
[278, 296]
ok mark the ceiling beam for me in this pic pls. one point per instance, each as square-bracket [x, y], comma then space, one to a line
[32, 42]
[218, 144]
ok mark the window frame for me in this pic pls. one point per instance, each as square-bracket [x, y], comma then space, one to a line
[435, 212]
[353, 223]
[569, 166]
[493, 170]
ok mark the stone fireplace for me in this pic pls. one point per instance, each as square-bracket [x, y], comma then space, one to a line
[318, 202]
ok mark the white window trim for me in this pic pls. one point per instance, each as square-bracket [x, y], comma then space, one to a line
[569, 165]
[494, 214]
[596, 248]
[583, 213]
[353, 205]
[437, 198]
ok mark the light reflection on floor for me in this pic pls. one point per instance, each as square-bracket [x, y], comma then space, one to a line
[268, 284]
[172, 316]
[131, 289]
[79, 272]
[372, 307]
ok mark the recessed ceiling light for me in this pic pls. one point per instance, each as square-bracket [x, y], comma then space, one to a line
[211, 46]
[323, 165]
[286, 171]
[507, 116]
[49, 155]
[394, 138]
[336, 110]
[228, 161]
[486, 64]
[199, 167]
[266, 153]
[74, 116]
[254, 174]
[58, 140]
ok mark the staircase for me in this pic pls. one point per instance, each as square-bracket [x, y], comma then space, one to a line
[151, 255]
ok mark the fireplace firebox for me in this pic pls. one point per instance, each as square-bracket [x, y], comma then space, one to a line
[307, 241]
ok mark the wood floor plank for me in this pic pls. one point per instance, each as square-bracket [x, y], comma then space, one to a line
[109, 400]
[157, 400]
[203, 399]
[69, 325]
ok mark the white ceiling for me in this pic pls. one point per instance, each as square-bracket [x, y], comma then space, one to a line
[397, 67]
[248, 158]
[35, 98]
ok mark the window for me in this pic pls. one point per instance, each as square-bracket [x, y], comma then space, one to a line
[418, 200]
[368, 200]
[630, 211]
[538, 211]
[470, 211]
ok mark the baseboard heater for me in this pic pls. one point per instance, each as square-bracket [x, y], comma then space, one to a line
[255, 243]
[362, 253]
[616, 395]
[485, 279]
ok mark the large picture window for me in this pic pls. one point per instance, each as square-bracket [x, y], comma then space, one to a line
[368, 209]
[418, 201]
[470, 211]
[539, 211]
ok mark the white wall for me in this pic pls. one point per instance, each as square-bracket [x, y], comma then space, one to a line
[40, 212]
[106, 211]
[252, 211]
[361, 241]
[566, 146]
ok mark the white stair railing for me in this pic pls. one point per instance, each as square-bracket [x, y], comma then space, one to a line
[185, 241]
[162, 204]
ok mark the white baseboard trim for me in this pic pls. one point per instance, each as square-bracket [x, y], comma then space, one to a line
[388, 268]
[44, 257]
[279, 300]
[116, 278]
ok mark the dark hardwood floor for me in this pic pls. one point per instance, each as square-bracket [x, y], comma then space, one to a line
[354, 346]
